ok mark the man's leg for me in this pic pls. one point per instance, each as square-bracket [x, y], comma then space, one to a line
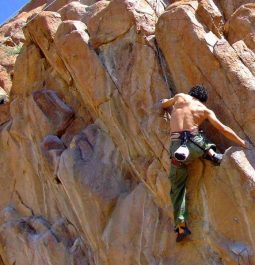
[178, 178]
[208, 147]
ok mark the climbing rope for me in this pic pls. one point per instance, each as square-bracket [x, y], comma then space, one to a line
[161, 63]
[37, 14]
[12, 15]
[166, 115]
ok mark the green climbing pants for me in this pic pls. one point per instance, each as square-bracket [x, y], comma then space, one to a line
[198, 146]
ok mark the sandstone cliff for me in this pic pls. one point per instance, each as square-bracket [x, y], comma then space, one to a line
[84, 153]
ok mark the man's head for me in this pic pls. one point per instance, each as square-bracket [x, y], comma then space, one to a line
[199, 92]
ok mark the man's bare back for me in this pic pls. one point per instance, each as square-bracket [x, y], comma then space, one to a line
[189, 113]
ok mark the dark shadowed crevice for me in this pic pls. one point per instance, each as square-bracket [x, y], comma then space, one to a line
[57, 181]
[2, 262]
[167, 76]
[23, 203]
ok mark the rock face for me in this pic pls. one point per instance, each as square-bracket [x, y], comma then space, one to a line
[84, 152]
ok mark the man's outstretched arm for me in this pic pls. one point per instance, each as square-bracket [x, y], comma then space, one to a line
[225, 130]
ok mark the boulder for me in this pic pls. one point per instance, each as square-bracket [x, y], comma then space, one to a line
[211, 16]
[54, 6]
[77, 11]
[28, 71]
[219, 69]
[230, 6]
[73, 11]
[124, 14]
[57, 112]
[33, 236]
[42, 30]
[52, 148]
[84, 149]
[241, 26]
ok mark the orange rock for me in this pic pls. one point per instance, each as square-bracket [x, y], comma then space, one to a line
[84, 150]
[42, 31]
[56, 5]
[57, 112]
[4, 113]
[124, 14]
[246, 55]
[211, 16]
[75, 127]
[72, 42]
[230, 6]
[11, 32]
[28, 71]
[52, 148]
[38, 236]
[32, 5]
[5, 81]
[77, 11]
[73, 11]
[241, 27]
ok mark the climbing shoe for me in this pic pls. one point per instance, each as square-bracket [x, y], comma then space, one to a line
[216, 158]
[180, 236]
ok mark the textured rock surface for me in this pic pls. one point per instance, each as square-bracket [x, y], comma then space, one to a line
[84, 153]
[241, 26]
[11, 41]
[229, 7]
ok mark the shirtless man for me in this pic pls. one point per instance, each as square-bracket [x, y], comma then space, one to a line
[188, 143]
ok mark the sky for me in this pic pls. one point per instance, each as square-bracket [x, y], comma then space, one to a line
[8, 8]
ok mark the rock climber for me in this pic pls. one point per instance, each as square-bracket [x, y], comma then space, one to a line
[189, 143]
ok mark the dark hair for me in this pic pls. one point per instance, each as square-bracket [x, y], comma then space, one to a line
[199, 92]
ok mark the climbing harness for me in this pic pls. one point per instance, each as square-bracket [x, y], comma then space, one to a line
[182, 153]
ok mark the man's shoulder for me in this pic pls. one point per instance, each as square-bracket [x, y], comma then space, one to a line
[181, 95]
[208, 111]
